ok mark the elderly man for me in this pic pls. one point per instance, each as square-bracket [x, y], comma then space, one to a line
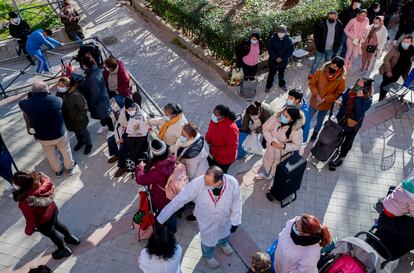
[218, 209]
[43, 116]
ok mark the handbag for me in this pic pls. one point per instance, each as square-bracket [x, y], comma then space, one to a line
[371, 48]
[237, 76]
[252, 144]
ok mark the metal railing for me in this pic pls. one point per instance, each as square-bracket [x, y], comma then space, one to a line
[147, 104]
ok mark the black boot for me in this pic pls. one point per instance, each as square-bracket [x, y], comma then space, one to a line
[336, 163]
[78, 146]
[72, 240]
[61, 253]
[270, 197]
[314, 136]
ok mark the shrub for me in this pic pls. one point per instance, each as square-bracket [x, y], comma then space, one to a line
[220, 31]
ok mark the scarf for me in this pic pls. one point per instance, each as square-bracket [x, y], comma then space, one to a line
[166, 124]
[333, 76]
[351, 100]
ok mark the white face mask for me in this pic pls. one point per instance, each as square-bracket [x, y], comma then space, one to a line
[253, 42]
[183, 139]
[376, 25]
[131, 113]
[357, 5]
[289, 102]
[62, 89]
[377, 9]
[255, 117]
[281, 35]
[166, 118]
[15, 21]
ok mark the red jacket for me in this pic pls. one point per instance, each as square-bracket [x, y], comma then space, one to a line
[124, 85]
[223, 138]
[37, 205]
[157, 176]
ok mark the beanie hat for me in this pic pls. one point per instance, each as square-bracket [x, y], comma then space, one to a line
[128, 103]
[158, 147]
[282, 28]
[408, 185]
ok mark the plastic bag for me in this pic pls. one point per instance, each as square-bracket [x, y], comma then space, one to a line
[236, 76]
[252, 144]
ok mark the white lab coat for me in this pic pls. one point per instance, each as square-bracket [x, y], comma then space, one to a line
[214, 221]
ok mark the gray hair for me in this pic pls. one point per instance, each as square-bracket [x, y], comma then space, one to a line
[39, 86]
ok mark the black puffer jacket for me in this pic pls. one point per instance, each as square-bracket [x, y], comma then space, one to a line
[321, 31]
[20, 31]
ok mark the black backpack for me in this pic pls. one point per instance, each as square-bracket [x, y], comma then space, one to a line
[93, 49]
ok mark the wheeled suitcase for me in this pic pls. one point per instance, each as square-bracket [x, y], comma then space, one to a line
[248, 87]
[288, 178]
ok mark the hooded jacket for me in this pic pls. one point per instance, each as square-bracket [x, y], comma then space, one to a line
[327, 89]
[124, 85]
[20, 31]
[37, 205]
[157, 177]
[37, 39]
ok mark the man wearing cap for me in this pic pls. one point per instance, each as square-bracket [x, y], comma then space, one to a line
[20, 30]
[280, 49]
[218, 209]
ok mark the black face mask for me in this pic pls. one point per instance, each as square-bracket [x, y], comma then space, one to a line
[304, 240]
[331, 71]
[331, 20]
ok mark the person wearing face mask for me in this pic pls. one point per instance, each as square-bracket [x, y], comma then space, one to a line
[256, 115]
[218, 208]
[295, 98]
[248, 54]
[117, 80]
[131, 135]
[155, 174]
[327, 34]
[35, 196]
[355, 31]
[70, 19]
[280, 49]
[94, 90]
[345, 16]
[355, 103]
[75, 112]
[325, 86]
[34, 44]
[374, 11]
[283, 134]
[300, 244]
[171, 124]
[373, 44]
[397, 63]
[20, 30]
[406, 26]
[223, 137]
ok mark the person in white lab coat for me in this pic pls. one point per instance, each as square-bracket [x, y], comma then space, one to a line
[218, 209]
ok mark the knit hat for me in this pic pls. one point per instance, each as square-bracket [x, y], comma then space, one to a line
[408, 184]
[128, 103]
[158, 147]
[282, 28]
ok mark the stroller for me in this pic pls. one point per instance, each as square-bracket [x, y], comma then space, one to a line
[327, 146]
[353, 254]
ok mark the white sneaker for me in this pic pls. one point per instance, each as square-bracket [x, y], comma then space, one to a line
[262, 176]
[212, 263]
[101, 130]
[227, 249]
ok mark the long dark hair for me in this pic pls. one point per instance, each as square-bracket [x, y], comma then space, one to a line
[162, 244]
[27, 180]
[294, 114]
[225, 111]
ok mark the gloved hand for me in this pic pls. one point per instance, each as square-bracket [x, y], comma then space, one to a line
[233, 229]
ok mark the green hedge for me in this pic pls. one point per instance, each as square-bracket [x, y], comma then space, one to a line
[220, 32]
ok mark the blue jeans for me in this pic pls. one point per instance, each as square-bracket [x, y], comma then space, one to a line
[319, 119]
[208, 251]
[42, 65]
[320, 59]
[119, 99]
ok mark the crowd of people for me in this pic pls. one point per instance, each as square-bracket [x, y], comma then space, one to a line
[103, 91]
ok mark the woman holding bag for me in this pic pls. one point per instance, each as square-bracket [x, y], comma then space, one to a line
[283, 134]
[355, 103]
[374, 43]
[355, 30]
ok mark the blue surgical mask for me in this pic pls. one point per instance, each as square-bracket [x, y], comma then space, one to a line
[166, 118]
[283, 119]
[183, 139]
[289, 102]
[214, 118]
[405, 45]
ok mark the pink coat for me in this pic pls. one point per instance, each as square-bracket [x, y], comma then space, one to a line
[292, 258]
[355, 29]
[400, 202]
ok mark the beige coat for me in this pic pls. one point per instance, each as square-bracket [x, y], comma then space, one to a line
[272, 131]
[173, 131]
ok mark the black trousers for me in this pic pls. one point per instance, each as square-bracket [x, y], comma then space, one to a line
[404, 29]
[280, 69]
[224, 167]
[22, 46]
[346, 146]
[386, 81]
[50, 228]
[108, 122]
[83, 136]
[249, 71]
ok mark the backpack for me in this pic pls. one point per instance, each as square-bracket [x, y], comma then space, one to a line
[347, 264]
[92, 49]
[144, 219]
[176, 182]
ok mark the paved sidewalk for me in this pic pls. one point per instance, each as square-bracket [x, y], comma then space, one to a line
[98, 207]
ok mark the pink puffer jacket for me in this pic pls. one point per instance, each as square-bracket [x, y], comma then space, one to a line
[399, 202]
